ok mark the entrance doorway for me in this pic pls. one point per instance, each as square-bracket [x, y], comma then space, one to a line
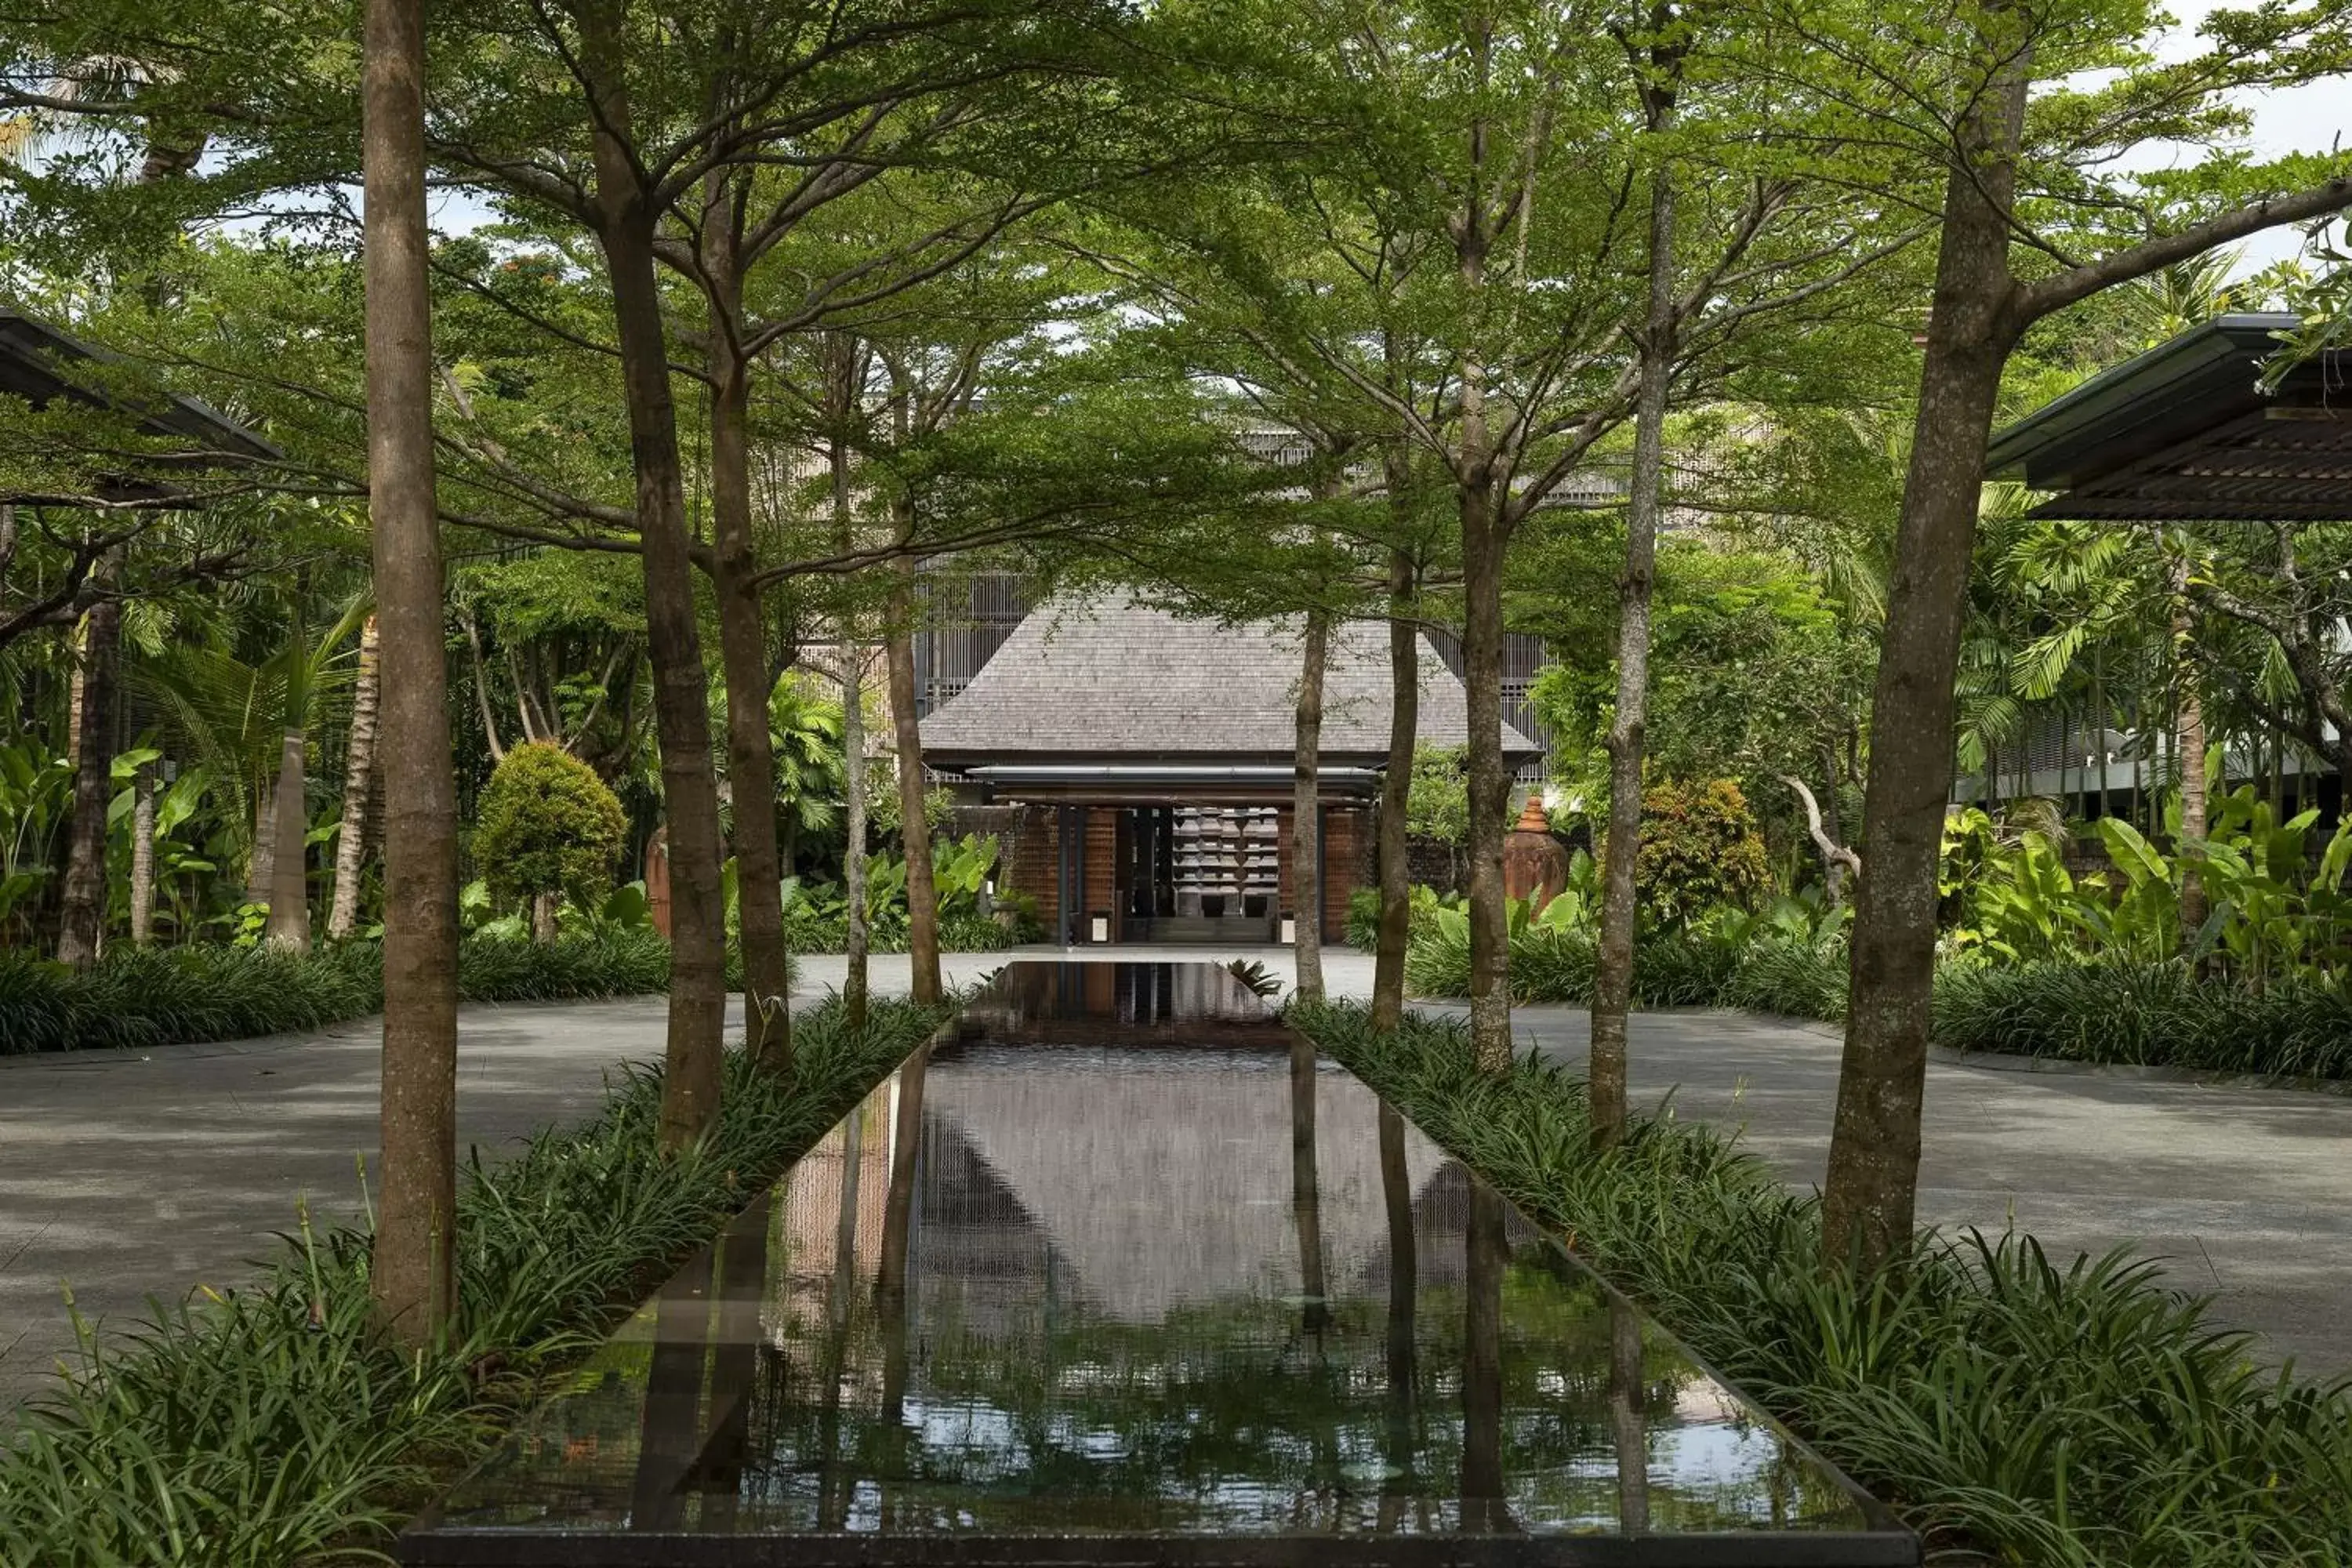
[1198, 873]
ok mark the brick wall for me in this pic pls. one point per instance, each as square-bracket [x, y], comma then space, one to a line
[1099, 875]
[1349, 848]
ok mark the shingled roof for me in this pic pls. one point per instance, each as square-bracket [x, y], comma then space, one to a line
[1081, 679]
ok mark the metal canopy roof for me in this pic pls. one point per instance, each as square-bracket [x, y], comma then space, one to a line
[33, 357]
[2182, 433]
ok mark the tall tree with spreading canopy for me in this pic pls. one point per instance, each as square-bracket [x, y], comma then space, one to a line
[2025, 111]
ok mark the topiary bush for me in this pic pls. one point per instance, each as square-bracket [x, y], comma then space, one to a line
[1769, 972]
[547, 825]
[1700, 851]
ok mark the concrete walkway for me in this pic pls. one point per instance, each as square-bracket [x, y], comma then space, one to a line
[135, 1175]
[2245, 1193]
[127, 1175]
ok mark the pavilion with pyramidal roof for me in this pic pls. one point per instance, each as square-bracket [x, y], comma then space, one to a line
[1140, 766]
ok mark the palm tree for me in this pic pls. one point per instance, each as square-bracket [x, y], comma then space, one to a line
[249, 723]
[811, 771]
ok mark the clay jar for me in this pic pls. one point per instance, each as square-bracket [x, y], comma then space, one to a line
[1535, 866]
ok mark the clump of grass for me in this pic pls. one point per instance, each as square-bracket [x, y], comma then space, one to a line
[152, 997]
[2068, 1415]
[965, 930]
[2145, 1013]
[625, 962]
[265, 1424]
[1770, 972]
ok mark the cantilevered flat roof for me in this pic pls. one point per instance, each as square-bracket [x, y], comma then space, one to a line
[34, 361]
[2184, 432]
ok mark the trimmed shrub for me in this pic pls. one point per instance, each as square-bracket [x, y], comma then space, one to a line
[547, 824]
[587, 967]
[1674, 967]
[1700, 851]
[810, 930]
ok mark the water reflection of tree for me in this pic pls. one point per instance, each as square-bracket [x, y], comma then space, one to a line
[1306, 1206]
[1486, 1510]
[1629, 1417]
[1399, 1486]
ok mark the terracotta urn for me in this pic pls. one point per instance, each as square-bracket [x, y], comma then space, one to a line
[1535, 866]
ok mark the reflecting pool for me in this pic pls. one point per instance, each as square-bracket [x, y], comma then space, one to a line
[1117, 1269]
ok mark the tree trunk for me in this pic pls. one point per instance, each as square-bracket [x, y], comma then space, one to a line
[843, 394]
[1482, 501]
[1833, 828]
[2191, 733]
[743, 654]
[262, 861]
[1613, 975]
[1305, 811]
[915, 829]
[1486, 1256]
[542, 918]
[82, 908]
[1397, 1444]
[855, 981]
[1396, 795]
[142, 856]
[358, 780]
[1870, 1198]
[698, 988]
[412, 1278]
[289, 881]
[1628, 1421]
[1490, 781]
[1305, 1190]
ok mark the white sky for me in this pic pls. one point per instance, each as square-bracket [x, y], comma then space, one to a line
[2312, 117]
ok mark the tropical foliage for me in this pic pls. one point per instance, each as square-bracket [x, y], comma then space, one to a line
[137, 997]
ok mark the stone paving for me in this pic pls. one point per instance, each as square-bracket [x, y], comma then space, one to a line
[128, 1175]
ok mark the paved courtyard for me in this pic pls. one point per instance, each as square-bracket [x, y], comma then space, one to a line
[127, 1176]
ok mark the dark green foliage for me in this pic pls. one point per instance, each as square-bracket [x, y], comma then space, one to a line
[2148, 1013]
[594, 965]
[1363, 929]
[139, 998]
[1756, 667]
[1439, 806]
[1700, 851]
[154, 996]
[546, 823]
[807, 930]
[267, 1426]
[2145, 1013]
[1767, 971]
[2059, 1415]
